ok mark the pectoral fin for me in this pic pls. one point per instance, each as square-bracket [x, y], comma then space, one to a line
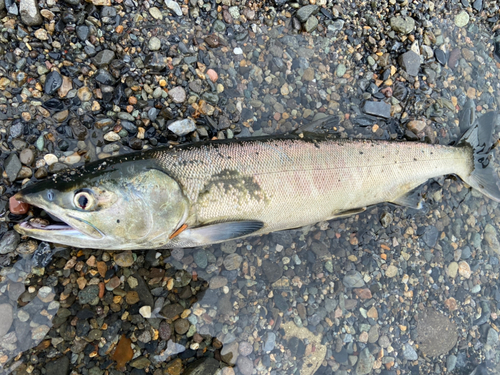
[412, 199]
[220, 232]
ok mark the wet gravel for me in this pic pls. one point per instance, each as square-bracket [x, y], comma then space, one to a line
[389, 291]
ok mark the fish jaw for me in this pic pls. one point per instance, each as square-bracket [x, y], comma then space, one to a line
[72, 231]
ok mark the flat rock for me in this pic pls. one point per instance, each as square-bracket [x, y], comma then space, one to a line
[379, 109]
[402, 25]
[12, 166]
[410, 62]
[58, 367]
[182, 127]
[103, 58]
[353, 279]
[6, 312]
[204, 366]
[436, 333]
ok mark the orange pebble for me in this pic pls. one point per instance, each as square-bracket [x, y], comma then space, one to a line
[212, 74]
[18, 207]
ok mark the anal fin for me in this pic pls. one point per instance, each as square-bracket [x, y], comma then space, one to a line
[350, 212]
[412, 199]
[219, 232]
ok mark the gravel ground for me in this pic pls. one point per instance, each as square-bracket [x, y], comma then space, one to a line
[389, 291]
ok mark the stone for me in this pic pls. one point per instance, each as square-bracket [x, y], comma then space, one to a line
[409, 353]
[272, 271]
[402, 25]
[29, 12]
[244, 365]
[464, 269]
[103, 58]
[82, 32]
[311, 24]
[89, 294]
[436, 334]
[305, 12]
[269, 342]
[173, 6]
[365, 362]
[154, 43]
[156, 13]
[178, 94]
[379, 109]
[416, 126]
[145, 311]
[353, 279]
[410, 62]
[462, 19]
[52, 82]
[12, 166]
[232, 262]
[124, 259]
[203, 366]
[182, 127]
[58, 367]
[27, 156]
[452, 270]
[7, 314]
[391, 271]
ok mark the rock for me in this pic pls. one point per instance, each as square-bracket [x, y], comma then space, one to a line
[353, 279]
[365, 362]
[492, 338]
[272, 271]
[203, 366]
[217, 282]
[7, 314]
[89, 294]
[402, 25]
[410, 61]
[379, 109]
[171, 311]
[58, 367]
[232, 262]
[451, 362]
[440, 56]
[12, 166]
[173, 6]
[307, 11]
[244, 365]
[464, 269]
[452, 270]
[245, 348]
[9, 242]
[156, 61]
[145, 311]
[124, 259]
[156, 13]
[178, 94]
[103, 58]
[154, 43]
[104, 77]
[181, 326]
[201, 258]
[436, 334]
[182, 127]
[82, 32]
[212, 74]
[409, 353]
[311, 24]
[416, 126]
[340, 71]
[391, 271]
[462, 19]
[52, 82]
[269, 342]
[30, 14]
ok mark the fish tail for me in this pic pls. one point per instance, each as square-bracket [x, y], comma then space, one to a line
[479, 137]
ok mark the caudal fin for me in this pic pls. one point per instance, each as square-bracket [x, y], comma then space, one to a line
[483, 178]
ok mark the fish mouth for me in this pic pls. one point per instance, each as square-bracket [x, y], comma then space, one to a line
[64, 226]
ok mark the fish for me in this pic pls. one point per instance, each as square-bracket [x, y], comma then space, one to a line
[209, 192]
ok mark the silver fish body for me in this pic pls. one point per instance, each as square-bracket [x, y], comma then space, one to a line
[207, 193]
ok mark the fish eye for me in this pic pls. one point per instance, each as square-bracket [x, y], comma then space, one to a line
[50, 195]
[84, 200]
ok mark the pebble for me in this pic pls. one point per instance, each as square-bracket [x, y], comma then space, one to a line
[182, 127]
[154, 44]
[391, 271]
[178, 94]
[7, 314]
[416, 126]
[12, 166]
[156, 13]
[305, 12]
[269, 342]
[50, 159]
[410, 62]
[409, 353]
[245, 348]
[29, 12]
[365, 362]
[145, 311]
[112, 136]
[232, 262]
[402, 25]
[452, 270]
[462, 19]
[464, 269]
[245, 365]
[353, 279]
[103, 58]
[173, 6]
[379, 109]
[124, 258]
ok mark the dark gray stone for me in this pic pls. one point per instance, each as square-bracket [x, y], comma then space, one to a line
[307, 11]
[9, 242]
[103, 58]
[82, 32]
[88, 294]
[353, 279]
[12, 166]
[410, 61]
[272, 271]
[52, 82]
[204, 366]
[379, 109]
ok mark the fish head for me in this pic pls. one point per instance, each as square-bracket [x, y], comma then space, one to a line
[121, 206]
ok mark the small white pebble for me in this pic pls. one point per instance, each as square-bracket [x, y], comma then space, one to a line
[238, 51]
[111, 136]
[145, 311]
[225, 289]
[50, 159]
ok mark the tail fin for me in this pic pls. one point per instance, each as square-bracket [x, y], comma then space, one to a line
[484, 177]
